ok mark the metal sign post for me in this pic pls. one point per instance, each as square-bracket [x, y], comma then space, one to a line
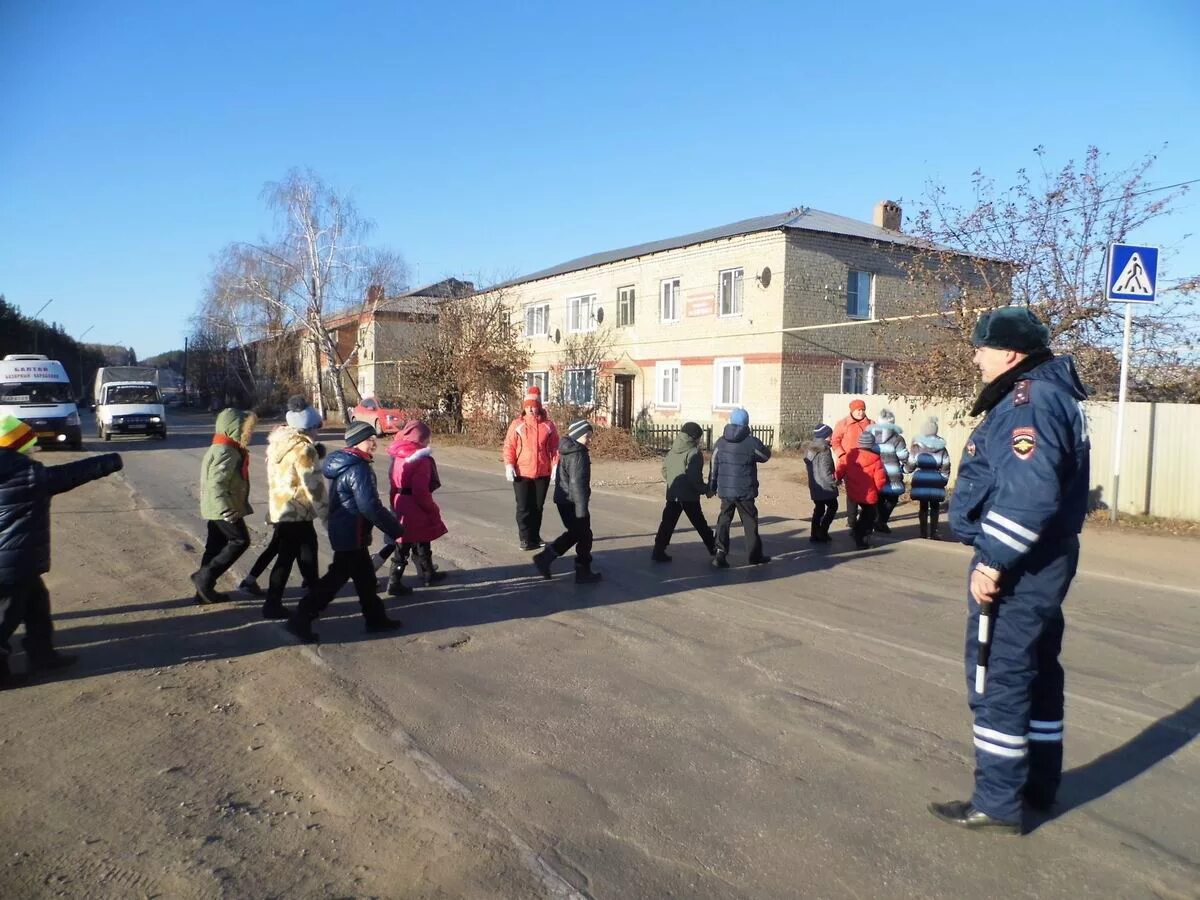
[1132, 278]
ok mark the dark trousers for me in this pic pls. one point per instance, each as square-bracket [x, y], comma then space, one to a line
[421, 554]
[347, 565]
[577, 535]
[268, 554]
[296, 543]
[531, 497]
[1018, 733]
[227, 541]
[26, 603]
[883, 510]
[928, 514]
[851, 513]
[670, 518]
[749, 516]
[865, 523]
[823, 515]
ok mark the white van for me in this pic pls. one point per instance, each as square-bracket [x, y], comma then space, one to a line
[128, 401]
[37, 391]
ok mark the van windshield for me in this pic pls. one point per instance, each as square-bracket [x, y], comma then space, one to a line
[33, 393]
[133, 393]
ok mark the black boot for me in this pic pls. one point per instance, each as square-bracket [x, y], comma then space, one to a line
[42, 662]
[659, 555]
[719, 561]
[301, 627]
[428, 571]
[964, 815]
[934, 514]
[382, 624]
[542, 560]
[206, 590]
[586, 575]
[274, 609]
[396, 586]
[249, 586]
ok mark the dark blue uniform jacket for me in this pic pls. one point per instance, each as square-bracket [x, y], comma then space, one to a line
[354, 504]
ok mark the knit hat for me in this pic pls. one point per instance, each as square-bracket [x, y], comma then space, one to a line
[822, 432]
[858, 404]
[578, 429]
[304, 419]
[692, 430]
[886, 415]
[930, 425]
[359, 432]
[533, 397]
[297, 403]
[866, 440]
[739, 417]
[16, 435]
[416, 431]
[1011, 328]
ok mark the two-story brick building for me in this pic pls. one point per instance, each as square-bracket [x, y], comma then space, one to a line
[768, 313]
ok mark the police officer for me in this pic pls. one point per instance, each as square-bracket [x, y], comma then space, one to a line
[1020, 502]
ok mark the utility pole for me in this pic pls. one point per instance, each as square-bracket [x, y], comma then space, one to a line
[34, 318]
[79, 345]
[185, 367]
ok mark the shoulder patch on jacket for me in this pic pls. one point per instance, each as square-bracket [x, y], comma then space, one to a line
[1024, 442]
[1021, 393]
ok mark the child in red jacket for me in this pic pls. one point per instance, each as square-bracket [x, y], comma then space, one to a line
[414, 478]
[864, 475]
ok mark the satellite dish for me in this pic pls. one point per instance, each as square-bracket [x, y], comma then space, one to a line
[600, 315]
[764, 277]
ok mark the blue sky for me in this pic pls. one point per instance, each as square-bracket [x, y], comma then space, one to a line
[135, 137]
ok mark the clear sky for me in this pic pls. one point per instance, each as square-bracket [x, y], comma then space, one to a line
[500, 138]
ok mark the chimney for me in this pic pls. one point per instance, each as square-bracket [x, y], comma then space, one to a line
[887, 215]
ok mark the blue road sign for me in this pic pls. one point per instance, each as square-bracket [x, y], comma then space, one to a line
[1132, 273]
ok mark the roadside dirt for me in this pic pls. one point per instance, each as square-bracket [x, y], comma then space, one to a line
[196, 752]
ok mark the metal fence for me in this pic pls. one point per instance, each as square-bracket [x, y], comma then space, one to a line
[661, 437]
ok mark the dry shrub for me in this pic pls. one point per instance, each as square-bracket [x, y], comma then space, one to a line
[616, 443]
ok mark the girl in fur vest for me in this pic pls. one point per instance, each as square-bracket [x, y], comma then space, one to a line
[414, 478]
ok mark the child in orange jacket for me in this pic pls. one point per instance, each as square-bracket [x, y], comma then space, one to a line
[864, 475]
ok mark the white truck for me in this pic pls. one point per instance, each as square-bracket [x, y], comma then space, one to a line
[128, 401]
[37, 391]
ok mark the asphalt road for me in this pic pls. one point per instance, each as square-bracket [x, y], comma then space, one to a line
[761, 732]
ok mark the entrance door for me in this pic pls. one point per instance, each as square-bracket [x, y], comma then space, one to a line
[623, 401]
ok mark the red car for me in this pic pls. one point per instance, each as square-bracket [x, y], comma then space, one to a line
[387, 419]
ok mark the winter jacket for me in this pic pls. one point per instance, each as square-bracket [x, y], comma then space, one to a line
[1023, 478]
[354, 505]
[532, 446]
[26, 487]
[845, 434]
[295, 486]
[225, 471]
[863, 472]
[929, 461]
[414, 477]
[818, 459]
[573, 480]
[893, 452]
[733, 472]
[683, 470]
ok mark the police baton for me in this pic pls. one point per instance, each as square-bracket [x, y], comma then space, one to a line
[987, 622]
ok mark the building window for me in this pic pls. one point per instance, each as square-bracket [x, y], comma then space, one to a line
[860, 295]
[727, 387]
[625, 306]
[668, 307]
[666, 380]
[537, 320]
[579, 387]
[858, 378]
[539, 380]
[581, 313]
[730, 285]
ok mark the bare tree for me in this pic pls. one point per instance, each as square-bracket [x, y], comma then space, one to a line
[585, 353]
[1042, 243]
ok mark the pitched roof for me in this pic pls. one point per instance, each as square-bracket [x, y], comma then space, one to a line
[799, 219]
[426, 299]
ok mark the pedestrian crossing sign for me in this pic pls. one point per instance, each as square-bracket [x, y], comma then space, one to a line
[1132, 273]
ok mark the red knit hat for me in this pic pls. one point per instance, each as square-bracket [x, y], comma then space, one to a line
[858, 404]
[533, 397]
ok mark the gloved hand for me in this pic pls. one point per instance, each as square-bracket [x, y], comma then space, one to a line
[510, 472]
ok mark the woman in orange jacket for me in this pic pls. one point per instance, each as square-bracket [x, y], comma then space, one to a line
[864, 475]
[530, 457]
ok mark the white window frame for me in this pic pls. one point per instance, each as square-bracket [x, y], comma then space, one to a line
[719, 367]
[853, 277]
[568, 391]
[674, 284]
[868, 376]
[539, 378]
[542, 306]
[737, 293]
[581, 310]
[627, 303]
[662, 370]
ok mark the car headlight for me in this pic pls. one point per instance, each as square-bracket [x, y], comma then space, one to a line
[118, 420]
[73, 418]
[155, 419]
